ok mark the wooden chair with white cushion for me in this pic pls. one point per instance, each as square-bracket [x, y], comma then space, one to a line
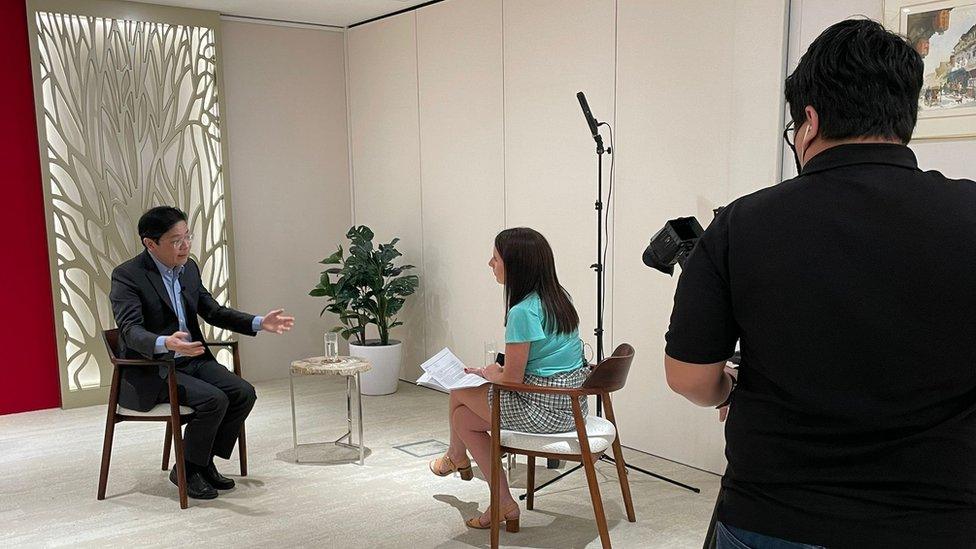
[592, 437]
[172, 413]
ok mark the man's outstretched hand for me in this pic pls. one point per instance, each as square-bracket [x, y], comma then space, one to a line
[277, 323]
[180, 343]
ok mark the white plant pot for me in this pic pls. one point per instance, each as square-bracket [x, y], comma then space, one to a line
[384, 377]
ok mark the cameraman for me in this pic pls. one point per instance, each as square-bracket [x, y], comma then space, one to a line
[852, 291]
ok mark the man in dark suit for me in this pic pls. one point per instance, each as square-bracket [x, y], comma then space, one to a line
[156, 297]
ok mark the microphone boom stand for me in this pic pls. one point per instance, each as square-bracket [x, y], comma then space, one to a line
[598, 267]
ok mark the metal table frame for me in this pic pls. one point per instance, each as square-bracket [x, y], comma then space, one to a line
[348, 435]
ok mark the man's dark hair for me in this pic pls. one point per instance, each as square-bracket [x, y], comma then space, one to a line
[155, 222]
[863, 80]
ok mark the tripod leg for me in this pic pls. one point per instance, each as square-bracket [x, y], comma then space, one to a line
[555, 479]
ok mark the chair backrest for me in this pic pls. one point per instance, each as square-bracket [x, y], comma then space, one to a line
[611, 373]
[111, 338]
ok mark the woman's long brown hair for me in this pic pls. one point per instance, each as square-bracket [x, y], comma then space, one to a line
[530, 267]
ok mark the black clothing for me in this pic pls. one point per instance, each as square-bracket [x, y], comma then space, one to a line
[197, 486]
[852, 291]
[221, 400]
[143, 312]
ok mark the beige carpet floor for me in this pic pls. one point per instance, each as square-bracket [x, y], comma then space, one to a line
[49, 472]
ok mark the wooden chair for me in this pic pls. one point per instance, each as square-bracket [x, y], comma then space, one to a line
[592, 437]
[172, 413]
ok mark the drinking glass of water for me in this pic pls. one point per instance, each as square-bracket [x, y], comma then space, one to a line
[331, 347]
[491, 352]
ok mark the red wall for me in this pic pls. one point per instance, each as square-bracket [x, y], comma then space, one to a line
[29, 363]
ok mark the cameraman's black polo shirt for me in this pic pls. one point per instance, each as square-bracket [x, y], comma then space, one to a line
[852, 289]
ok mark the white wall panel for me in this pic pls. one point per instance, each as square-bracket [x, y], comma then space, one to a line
[385, 145]
[462, 166]
[696, 96]
[680, 93]
[553, 49]
[286, 120]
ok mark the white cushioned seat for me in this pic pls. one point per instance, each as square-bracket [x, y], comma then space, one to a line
[599, 431]
[158, 410]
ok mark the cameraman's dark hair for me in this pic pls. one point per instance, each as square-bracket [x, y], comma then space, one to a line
[155, 222]
[863, 80]
[530, 267]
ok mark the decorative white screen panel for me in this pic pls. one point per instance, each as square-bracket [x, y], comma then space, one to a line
[130, 121]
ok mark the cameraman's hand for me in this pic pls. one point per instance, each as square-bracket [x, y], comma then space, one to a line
[180, 343]
[723, 412]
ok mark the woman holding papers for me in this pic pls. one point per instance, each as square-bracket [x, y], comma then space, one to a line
[542, 347]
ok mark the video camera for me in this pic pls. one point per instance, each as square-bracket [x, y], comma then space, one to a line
[674, 243]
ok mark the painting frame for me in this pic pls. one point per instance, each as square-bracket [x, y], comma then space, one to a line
[937, 122]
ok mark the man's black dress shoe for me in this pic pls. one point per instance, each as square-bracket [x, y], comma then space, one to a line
[215, 479]
[197, 486]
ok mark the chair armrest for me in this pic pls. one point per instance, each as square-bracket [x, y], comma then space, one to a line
[526, 388]
[142, 362]
[230, 343]
[234, 349]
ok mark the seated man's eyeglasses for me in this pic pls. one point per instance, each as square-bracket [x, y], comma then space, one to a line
[178, 243]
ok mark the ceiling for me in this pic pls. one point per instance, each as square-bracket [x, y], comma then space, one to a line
[339, 13]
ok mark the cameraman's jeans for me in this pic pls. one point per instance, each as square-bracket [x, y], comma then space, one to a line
[730, 537]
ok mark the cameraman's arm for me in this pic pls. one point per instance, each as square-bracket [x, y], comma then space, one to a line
[703, 384]
[703, 329]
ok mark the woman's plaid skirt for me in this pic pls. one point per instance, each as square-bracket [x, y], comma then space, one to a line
[539, 412]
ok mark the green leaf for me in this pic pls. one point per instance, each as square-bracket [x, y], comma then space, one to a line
[318, 292]
[334, 258]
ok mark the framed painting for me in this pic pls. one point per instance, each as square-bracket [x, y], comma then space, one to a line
[943, 32]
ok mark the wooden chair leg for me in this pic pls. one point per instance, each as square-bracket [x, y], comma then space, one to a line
[113, 401]
[496, 465]
[174, 423]
[242, 451]
[618, 457]
[106, 453]
[530, 484]
[180, 465]
[588, 461]
[166, 445]
[601, 517]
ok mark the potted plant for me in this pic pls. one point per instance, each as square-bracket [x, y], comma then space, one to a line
[365, 287]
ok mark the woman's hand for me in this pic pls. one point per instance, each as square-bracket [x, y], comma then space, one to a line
[493, 372]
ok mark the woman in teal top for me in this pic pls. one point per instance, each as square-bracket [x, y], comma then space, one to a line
[542, 347]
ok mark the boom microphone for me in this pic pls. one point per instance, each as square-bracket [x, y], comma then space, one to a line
[590, 121]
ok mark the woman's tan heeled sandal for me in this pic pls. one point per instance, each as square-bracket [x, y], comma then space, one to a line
[511, 523]
[444, 466]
